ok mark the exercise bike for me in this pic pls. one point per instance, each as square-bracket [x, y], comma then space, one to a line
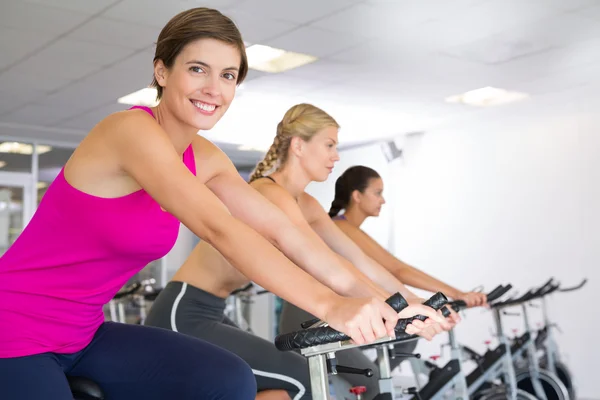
[320, 343]
[545, 345]
[525, 377]
[450, 380]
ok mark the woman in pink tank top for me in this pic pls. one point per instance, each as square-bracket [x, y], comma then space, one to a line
[117, 205]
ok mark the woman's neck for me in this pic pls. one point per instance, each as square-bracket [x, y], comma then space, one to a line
[354, 216]
[181, 136]
[293, 180]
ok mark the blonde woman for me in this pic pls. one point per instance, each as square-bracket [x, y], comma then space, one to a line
[305, 150]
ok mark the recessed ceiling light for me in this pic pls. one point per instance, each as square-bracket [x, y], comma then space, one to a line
[2, 164]
[487, 96]
[143, 97]
[269, 59]
[22, 148]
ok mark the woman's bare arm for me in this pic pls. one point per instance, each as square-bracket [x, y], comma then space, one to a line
[407, 273]
[147, 155]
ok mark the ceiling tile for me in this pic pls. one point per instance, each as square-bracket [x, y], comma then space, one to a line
[257, 28]
[115, 33]
[592, 12]
[70, 59]
[16, 44]
[360, 20]
[37, 114]
[12, 101]
[83, 7]
[485, 19]
[300, 12]
[80, 51]
[160, 12]
[139, 62]
[315, 41]
[80, 96]
[14, 81]
[48, 20]
[48, 69]
[570, 5]
[527, 40]
[87, 120]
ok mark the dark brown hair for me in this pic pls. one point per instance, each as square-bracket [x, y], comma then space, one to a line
[354, 178]
[191, 25]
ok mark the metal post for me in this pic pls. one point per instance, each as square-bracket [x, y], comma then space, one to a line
[319, 380]
[385, 371]
[461, 388]
[532, 361]
[509, 370]
[551, 348]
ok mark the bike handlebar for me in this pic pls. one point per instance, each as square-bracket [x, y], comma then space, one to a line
[325, 334]
[573, 288]
[498, 292]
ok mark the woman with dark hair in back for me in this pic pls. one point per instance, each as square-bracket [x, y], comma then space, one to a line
[359, 192]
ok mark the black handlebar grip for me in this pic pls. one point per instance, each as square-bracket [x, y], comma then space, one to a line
[445, 312]
[571, 289]
[501, 293]
[492, 295]
[309, 323]
[308, 338]
[397, 302]
[458, 305]
[437, 301]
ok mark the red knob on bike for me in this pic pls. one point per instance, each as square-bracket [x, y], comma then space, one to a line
[515, 331]
[487, 342]
[358, 389]
[434, 358]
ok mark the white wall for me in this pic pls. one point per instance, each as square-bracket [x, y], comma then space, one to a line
[512, 203]
[516, 202]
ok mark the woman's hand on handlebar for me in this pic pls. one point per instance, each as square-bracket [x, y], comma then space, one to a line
[473, 299]
[426, 330]
[454, 318]
[434, 324]
[363, 319]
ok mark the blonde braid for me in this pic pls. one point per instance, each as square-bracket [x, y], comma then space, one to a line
[268, 162]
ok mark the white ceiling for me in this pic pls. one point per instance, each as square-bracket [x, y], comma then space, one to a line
[384, 67]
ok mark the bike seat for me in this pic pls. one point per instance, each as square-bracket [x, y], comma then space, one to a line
[84, 389]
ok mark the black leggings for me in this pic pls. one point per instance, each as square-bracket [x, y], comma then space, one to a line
[192, 311]
[132, 362]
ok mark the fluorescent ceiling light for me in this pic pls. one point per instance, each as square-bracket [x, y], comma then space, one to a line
[487, 96]
[2, 164]
[143, 97]
[246, 147]
[269, 59]
[22, 148]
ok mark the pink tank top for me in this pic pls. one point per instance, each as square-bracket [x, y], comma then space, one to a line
[75, 254]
